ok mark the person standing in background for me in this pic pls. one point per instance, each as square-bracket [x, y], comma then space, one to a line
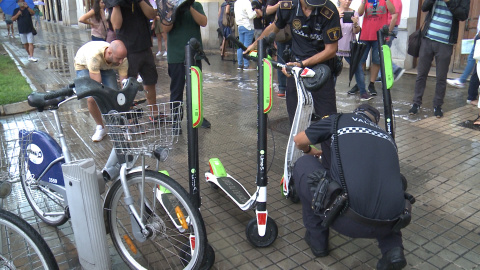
[439, 35]
[23, 15]
[244, 15]
[375, 18]
[161, 35]
[37, 15]
[95, 17]
[272, 7]
[349, 30]
[9, 22]
[397, 71]
[133, 25]
[189, 19]
[460, 82]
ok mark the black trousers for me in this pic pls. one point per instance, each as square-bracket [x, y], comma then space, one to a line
[387, 239]
[176, 71]
[324, 103]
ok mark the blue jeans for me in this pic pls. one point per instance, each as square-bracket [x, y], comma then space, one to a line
[245, 36]
[282, 79]
[109, 78]
[470, 63]
[359, 77]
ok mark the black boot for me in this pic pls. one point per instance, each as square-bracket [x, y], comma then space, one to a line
[392, 260]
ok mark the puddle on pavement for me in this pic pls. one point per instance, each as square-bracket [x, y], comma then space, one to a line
[61, 64]
[469, 124]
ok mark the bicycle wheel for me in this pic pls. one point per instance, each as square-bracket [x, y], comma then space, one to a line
[21, 246]
[174, 225]
[45, 202]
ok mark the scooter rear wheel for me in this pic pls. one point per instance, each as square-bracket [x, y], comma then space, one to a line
[293, 194]
[271, 233]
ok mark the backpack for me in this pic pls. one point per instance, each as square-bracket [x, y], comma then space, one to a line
[228, 19]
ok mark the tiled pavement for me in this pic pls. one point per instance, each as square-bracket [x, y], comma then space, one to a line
[439, 158]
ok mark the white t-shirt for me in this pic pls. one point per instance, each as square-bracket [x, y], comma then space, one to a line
[244, 14]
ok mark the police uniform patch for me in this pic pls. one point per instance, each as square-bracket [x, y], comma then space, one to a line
[296, 24]
[328, 13]
[334, 33]
[286, 5]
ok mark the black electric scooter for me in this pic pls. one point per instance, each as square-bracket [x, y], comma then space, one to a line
[262, 230]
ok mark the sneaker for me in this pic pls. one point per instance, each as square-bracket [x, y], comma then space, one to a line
[437, 111]
[317, 253]
[282, 95]
[393, 259]
[354, 90]
[139, 79]
[472, 102]
[158, 54]
[206, 123]
[249, 68]
[365, 97]
[414, 109]
[165, 54]
[398, 74]
[100, 132]
[239, 68]
[455, 83]
[371, 89]
[32, 59]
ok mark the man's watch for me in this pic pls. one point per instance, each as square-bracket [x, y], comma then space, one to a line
[308, 151]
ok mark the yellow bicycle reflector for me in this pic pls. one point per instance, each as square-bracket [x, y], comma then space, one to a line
[130, 243]
[181, 217]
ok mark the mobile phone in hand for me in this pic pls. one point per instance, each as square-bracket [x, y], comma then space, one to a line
[347, 16]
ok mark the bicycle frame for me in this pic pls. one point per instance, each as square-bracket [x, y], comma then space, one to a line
[51, 175]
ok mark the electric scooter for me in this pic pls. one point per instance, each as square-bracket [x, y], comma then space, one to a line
[194, 98]
[262, 230]
[386, 70]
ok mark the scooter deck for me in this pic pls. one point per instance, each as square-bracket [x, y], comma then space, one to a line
[233, 189]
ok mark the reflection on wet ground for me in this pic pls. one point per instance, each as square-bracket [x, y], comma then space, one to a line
[438, 156]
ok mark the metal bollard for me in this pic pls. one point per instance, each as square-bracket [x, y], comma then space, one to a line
[86, 214]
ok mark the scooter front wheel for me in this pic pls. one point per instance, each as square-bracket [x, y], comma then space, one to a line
[262, 241]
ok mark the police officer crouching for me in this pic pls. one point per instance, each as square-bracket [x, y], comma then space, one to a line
[362, 195]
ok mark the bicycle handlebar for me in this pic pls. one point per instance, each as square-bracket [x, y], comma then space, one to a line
[107, 99]
[65, 92]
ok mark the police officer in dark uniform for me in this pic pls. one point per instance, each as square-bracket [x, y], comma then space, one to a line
[368, 159]
[315, 26]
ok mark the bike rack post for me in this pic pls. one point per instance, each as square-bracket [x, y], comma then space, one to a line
[82, 187]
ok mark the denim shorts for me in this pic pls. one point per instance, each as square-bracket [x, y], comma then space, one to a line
[371, 44]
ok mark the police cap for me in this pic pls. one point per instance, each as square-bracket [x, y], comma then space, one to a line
[316, 3]
[369, 110]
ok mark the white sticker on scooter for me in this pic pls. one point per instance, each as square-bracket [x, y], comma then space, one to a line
[35, 154]
[307, 73]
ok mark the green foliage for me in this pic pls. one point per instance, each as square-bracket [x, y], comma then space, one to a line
[13, 86]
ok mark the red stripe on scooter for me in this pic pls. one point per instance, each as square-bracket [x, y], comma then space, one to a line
[262, 218]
